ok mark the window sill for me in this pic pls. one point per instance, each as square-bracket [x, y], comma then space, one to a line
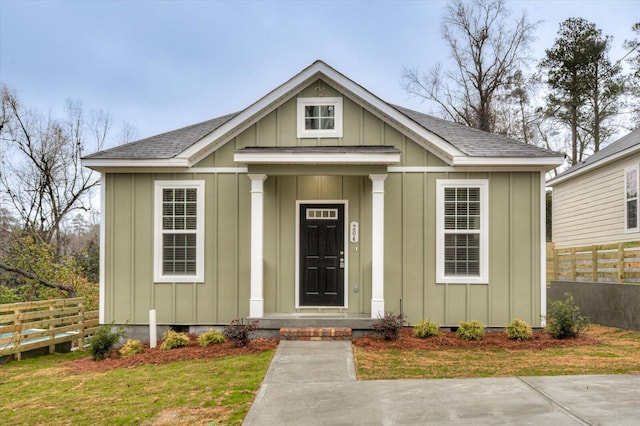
[178, 279]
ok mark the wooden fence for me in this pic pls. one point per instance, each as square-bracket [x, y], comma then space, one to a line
[46, 323]
[613, 263]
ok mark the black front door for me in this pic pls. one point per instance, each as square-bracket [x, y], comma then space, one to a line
[322, 255]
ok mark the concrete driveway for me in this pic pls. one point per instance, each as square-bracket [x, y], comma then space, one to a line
[314, 383]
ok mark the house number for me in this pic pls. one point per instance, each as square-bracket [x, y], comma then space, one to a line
[353, 232]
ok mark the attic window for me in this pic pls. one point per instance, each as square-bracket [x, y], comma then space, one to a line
[319, 117]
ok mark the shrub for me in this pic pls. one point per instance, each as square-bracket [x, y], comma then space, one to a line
[470, 330]
[426, 328]
[210, 337]
[564, 319]
[239, 332]
[104, 339]
[389, 326]
[131, 347]
[518, 330]
[172, 339]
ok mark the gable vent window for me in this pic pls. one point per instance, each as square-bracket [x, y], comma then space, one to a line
[179, 231]
[462, 222]
[319, 117]
[631, 214]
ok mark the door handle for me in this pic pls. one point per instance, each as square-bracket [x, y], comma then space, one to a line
[341, 263]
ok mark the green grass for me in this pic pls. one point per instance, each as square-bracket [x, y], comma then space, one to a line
[618, 352]
[44, 390]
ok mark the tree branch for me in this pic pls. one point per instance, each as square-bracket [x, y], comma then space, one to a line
[71, 292]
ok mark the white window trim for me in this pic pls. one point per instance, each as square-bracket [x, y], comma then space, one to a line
[626, 171]
[483, 184]
[319, 133]
[159, 277]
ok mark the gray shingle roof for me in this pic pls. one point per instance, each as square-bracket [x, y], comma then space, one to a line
[165, 145]
[628, 141]
[474, 142]
[470, 141]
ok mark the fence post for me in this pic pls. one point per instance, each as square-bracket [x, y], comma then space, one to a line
[555, 261]
[81, 326]
[17, 322]
[620, 263]
[573, 264]
[594, 264]
[52, 332]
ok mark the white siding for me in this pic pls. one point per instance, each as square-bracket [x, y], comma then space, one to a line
[589, 209]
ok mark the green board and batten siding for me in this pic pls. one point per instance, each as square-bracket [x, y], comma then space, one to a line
[513, 291]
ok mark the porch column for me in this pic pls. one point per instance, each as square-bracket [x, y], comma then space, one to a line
[256, 302]
[377, 245]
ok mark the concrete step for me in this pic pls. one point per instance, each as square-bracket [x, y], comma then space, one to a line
[310, 321]
[316, 333]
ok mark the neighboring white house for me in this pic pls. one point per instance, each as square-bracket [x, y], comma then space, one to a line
[596, 201]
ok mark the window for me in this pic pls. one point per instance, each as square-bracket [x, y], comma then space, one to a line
[179, 237]
[631, 199]
[319, 117]
[462, 223]
[322, 214]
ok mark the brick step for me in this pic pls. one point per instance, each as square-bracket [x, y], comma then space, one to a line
[316, 333]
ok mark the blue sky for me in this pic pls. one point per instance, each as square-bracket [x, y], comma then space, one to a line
[163, 65]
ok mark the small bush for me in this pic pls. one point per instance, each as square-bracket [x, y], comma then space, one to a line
[564, 319]
[131, 347]
[104, 339]
[239, 332]
[470, 330]
[389, 326]
[172, 339]
[426, 328]
[210, 337]
[518, 330]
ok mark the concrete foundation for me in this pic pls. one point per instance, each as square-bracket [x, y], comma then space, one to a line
[613, 305]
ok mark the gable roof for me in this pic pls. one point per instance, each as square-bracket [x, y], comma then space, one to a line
[455, 144]
[624, 146]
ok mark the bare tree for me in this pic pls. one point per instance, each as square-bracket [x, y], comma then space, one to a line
[41, 177]
[487, 53]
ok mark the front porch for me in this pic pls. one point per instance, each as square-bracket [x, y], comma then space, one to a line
[271, 323]
[333, 256]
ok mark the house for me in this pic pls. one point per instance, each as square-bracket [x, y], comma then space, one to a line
[595, 209]
[322, 200]
[596, 201]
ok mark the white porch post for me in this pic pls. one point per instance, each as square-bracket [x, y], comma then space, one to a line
[377, 245]
[256, 302]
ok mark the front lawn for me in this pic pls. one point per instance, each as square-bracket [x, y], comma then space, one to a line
[47, 390]
[604, 350]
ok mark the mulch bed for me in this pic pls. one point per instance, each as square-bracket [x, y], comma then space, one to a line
[448, 340]
[157, 356]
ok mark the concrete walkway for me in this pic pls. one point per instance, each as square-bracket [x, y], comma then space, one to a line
[314, 383]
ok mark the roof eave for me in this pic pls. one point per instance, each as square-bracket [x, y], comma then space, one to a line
[101, 164]
[544, 162]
